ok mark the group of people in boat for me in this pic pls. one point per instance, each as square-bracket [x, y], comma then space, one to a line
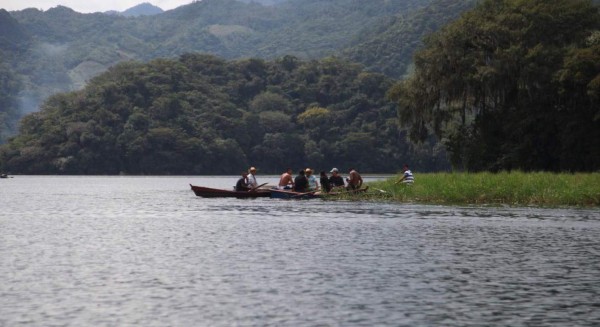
[305, 181]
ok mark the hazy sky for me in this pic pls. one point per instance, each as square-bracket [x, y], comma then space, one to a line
[88, 6]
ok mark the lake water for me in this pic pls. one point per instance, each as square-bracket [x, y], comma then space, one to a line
[145, 251]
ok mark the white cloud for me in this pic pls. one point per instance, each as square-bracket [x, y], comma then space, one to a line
[90, 5]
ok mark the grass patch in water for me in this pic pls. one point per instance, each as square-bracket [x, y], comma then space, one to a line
[512, 188]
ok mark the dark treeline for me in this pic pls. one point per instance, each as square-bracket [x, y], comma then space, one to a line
[511, 85]
[203, 115]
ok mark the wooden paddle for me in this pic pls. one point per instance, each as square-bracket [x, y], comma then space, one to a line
[254, 188]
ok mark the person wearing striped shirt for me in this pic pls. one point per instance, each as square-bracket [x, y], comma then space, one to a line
[407, 178]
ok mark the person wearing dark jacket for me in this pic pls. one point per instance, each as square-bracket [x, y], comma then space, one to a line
[336, 179]
[242, 183]
[325, 184]
[300, 182]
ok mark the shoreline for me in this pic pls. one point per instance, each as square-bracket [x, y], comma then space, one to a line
[505, 188]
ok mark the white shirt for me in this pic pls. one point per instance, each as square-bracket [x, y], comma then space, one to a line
[252, 181]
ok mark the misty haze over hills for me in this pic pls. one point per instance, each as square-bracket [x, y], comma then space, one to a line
[58, 50]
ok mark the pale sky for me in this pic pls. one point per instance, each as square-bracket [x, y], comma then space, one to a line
[89, 6]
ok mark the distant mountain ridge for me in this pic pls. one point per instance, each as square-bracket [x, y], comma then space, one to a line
[265, 2]
[143, 9]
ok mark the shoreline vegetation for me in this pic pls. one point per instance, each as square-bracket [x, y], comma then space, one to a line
[504, 188]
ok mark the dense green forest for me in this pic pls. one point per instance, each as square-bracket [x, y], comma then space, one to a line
[200, 114]
[511, 85]
[59, 50]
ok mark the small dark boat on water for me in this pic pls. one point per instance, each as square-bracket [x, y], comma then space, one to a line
[207, 192]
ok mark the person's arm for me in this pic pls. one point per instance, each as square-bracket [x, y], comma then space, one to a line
[401, 179]
[354, 178]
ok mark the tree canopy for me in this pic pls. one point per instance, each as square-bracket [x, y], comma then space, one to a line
[200, 114]
[511, 85]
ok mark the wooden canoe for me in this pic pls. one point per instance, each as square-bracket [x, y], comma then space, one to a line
[208, 192]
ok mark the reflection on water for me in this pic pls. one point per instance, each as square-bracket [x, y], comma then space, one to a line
[112, 251]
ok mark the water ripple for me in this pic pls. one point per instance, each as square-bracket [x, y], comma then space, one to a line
[107, 251]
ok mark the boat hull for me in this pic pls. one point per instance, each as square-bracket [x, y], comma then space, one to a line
[285, 194]
[208, 192]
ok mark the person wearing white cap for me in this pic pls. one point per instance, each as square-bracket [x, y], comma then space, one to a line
[252, 178]
[335, 179]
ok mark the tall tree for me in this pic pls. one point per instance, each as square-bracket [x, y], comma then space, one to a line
[510, 85]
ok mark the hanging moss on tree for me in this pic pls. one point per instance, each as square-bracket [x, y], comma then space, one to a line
[511, 85]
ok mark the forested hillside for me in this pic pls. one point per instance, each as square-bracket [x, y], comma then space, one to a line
[511, 85]
[60, 49]
[203, 115]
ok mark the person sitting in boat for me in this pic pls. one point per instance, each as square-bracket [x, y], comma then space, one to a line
[300, 182]
[286, 181]
[313, 185]
[407, 178]
[242, 183]
[354, 180]
[252, 183]
[325, 184]
[336, 180]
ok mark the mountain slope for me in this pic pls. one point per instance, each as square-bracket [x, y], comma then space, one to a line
[388, 46]
[143, 9]
[13, 36]
[71, 47]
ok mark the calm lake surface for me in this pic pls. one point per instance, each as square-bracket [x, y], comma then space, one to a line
[145, 251]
